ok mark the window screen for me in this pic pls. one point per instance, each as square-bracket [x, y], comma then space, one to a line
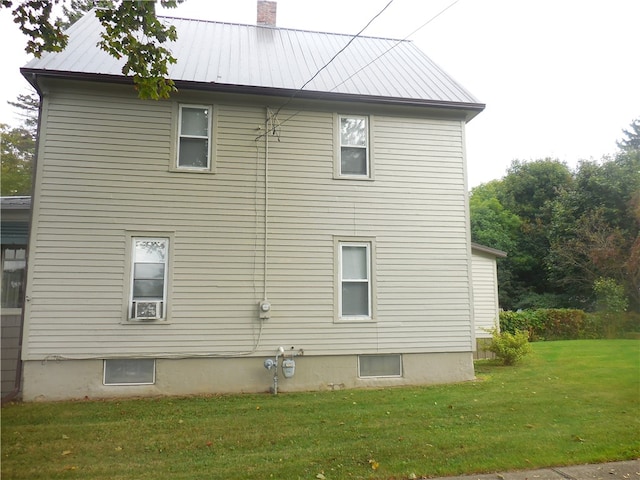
[380, 365]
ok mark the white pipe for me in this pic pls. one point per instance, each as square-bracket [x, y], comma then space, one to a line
[266, 202]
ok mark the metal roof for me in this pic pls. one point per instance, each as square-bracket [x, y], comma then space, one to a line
[221, 56]
[15, 203]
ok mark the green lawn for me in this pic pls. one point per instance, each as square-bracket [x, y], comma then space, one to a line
[569, 402]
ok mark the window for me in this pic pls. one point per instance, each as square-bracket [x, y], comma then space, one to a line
[149, 278]
[194, 137]
[380, 365]
[127, 371]
[355, 280]
[14, 262]
[354, 146]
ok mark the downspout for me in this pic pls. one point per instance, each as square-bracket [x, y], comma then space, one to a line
[32, 79]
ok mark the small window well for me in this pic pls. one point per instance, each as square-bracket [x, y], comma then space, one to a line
[130, 371]
[380, 365]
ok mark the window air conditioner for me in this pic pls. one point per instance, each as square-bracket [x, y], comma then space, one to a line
[147, 310]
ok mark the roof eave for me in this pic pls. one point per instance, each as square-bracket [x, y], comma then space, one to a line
[470, 109]
[491, 251]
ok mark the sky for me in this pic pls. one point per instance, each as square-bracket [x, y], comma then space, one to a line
[560, 78]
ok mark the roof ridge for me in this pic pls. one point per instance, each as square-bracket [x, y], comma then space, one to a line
[376, 37]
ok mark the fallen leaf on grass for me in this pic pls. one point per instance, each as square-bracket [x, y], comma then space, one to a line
[374, 464]
[320, 476]
[66, 452]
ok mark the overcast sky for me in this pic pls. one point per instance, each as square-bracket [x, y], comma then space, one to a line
[560, 78]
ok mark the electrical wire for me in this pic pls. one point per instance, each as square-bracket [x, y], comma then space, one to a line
[290, 99]
[396, 44]
[165, 355]
[368, 64]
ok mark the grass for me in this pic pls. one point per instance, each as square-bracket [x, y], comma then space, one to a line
[569, 402]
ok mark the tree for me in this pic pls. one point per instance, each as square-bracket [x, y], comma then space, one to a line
[131, 30]
[28, 106]
[632, 142]
[529, 190]
[18, 146]
[494, 226]
[17, 149]
[78, 8]
[595, 230]
[564, 230]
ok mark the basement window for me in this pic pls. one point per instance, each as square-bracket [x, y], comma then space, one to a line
[379, 365]
[130, 371]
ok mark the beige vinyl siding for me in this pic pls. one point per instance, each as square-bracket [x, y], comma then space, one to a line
[104, 170]
[485, 293]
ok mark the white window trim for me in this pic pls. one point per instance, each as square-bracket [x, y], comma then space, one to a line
[175, 165]
[369, 243]
[338, 148]
[127, 317]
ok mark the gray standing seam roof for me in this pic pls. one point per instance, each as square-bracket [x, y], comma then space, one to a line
[15, 203]
[224, 56]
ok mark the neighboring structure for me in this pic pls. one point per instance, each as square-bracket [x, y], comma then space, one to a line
[485, 294]
[14, 229]
[177, 245]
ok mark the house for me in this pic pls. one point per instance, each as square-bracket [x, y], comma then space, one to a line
[14, 231]
[182, 246]
[486, 309]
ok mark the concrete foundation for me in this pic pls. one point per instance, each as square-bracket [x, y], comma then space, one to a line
[77, 379]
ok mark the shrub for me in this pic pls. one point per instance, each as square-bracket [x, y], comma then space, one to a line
[563, 324]
[532, 321]
[610, 296]
[508, 347]
[569, 324]
[612, 325]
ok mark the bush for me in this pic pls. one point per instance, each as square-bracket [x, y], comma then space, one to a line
[569, 324]
[612, 325]
[563, 324]
[531, 321]
[610, 296]
[508, 347]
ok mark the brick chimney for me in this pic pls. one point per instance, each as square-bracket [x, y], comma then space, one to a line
[266, 13]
